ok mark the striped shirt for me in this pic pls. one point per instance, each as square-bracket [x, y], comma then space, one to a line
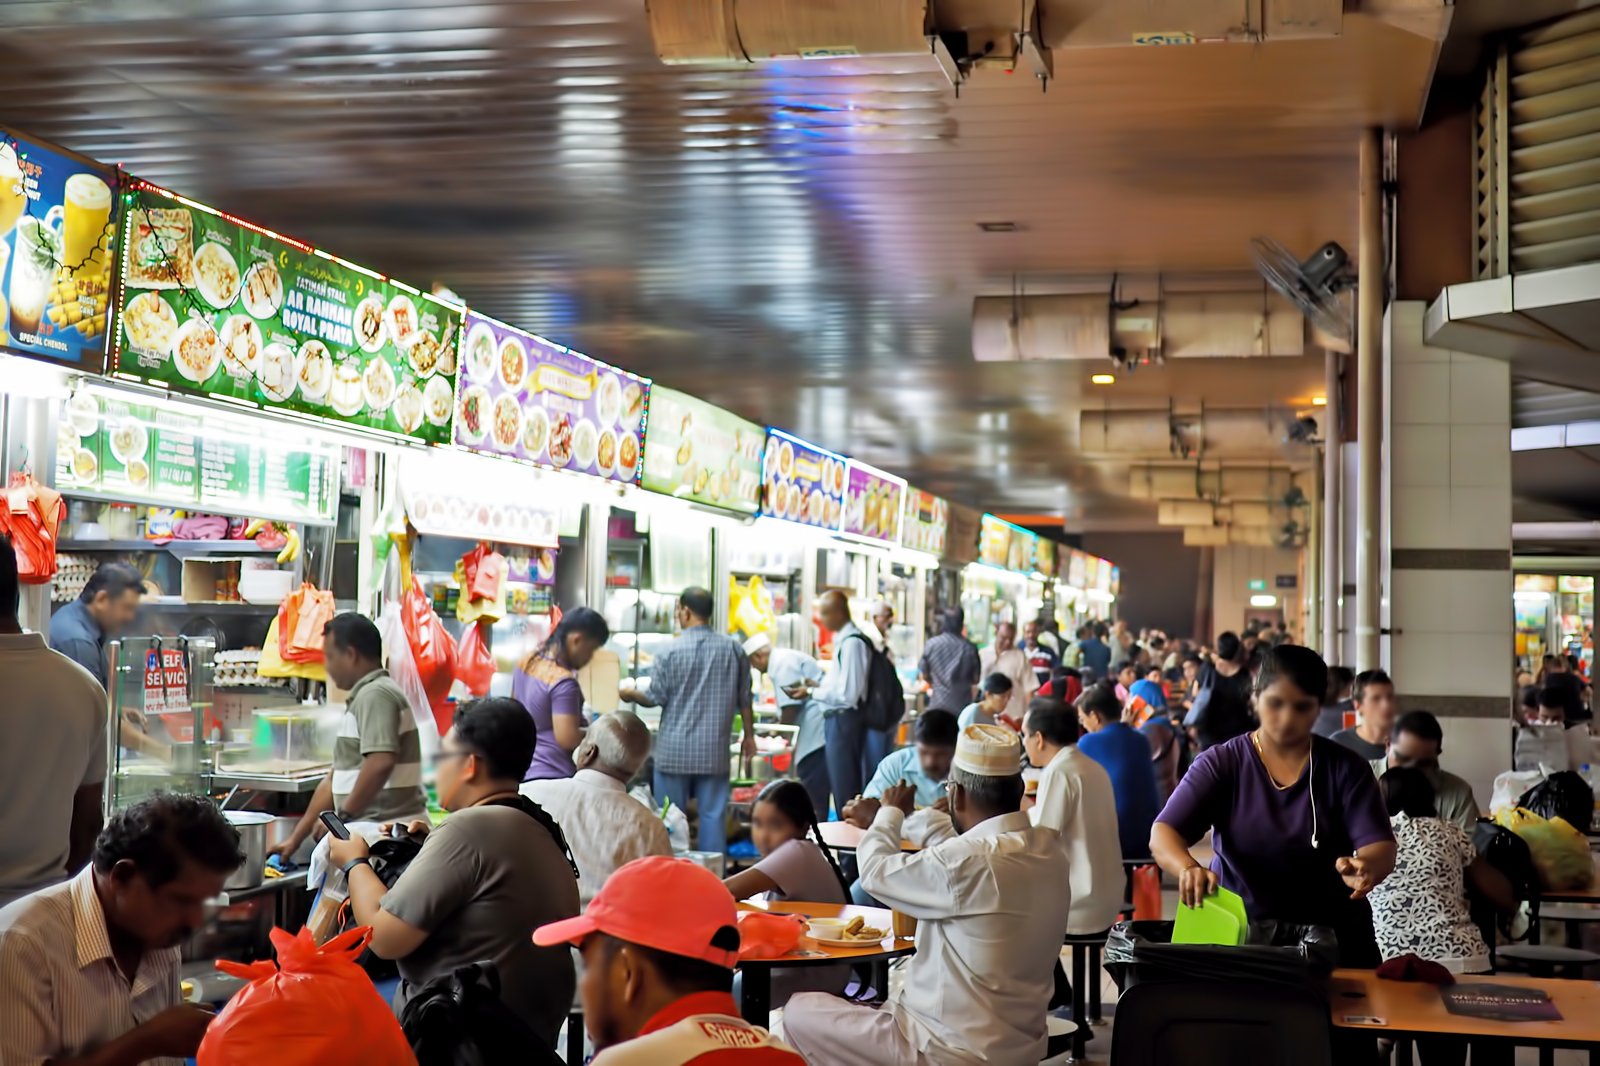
[950, 664]
[378, 720]
[61, 993]
[700, 681]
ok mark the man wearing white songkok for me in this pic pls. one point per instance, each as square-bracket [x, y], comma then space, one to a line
[992, 905]
[791, 672]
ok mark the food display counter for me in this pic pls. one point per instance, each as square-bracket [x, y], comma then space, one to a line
[1554, 614]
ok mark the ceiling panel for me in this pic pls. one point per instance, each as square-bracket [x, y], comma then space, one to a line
[797, 242]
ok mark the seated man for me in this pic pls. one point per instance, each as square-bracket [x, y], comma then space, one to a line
[1418, 742]
[992, 903]
[993, 697]
[89, 967]
[604, 826]
[1125, 754]
[924, 767]
[659, 945]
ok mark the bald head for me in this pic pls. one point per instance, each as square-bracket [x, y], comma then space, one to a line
[834, 608]
[617, 744]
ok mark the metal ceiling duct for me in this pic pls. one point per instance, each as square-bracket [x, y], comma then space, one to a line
[1206, 513]
[751, 31]
[1222, 536]
[1213, 433]
[1152, 482]
[1099, 24]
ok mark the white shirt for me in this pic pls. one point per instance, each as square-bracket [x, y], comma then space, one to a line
[604, 826]
[53, 714]
[61, 994]
[846, 684]
[1075, 799]
[992, 906]
[1014, 664]
[787, 668]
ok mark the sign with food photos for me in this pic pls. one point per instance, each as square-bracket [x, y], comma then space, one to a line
[702, 453]
[804, 483]
[215, 306]
[927, 522]
[873, 504]
[57, 224]
[523, 397]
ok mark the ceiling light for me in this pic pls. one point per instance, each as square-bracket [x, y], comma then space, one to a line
[1103, 379]
[998, 227]
[1266, 600]
[1319, 401]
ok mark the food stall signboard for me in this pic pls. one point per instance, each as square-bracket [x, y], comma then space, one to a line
[702, 453]
[1077, 566]
[927, 522]
[1044, 557]
[453, 494]
[804, 483]
[522, 396]
[213, 305]
[1534, 583]
[56, 232]
[1007, 546]
[1574, 583]
[109, 447]
[874, 504]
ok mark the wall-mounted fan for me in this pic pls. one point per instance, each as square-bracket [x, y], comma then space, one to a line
[1315, 285]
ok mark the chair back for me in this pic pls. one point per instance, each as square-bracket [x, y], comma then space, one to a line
[1207, 1024]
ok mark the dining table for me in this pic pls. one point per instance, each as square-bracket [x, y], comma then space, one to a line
[845, 837]
[755, 998]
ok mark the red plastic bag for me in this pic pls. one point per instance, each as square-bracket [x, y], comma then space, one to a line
[484, 571]
[1147, 894]
[474, 663]
[313, 1006]
[31, 514]
[302, 617]
[763, 935]
[434, 652]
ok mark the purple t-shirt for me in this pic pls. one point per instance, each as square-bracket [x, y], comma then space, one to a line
[545, 698]
[1263, 836]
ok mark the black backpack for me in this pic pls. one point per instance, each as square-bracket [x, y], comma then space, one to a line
[885, 702]
[459, 1019]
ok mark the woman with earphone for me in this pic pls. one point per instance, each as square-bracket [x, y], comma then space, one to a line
[1298, 824]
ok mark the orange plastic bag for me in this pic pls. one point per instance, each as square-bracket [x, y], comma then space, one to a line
[1147, 894]
[302, 617]
[433, 650]
[768, 936]
[31, 514]
[474, 662]
[313, 1006]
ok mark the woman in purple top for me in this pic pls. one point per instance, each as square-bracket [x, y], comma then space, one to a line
[1299, 827]
[547, 685]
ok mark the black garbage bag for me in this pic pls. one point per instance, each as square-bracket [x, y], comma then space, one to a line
[1563, 795]
[1274, 952]
[459, 1020]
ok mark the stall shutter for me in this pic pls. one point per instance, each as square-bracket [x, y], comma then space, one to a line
[1538, 152]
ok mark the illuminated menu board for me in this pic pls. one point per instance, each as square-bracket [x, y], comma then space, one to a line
[702, 453]
[873, 505]
[803, 483]
[927, 522]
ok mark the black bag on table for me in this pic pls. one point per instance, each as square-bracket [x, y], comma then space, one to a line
[1564, 795]
[459, 1019]
[1273, 953]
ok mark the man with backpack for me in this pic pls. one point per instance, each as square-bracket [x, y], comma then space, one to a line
[841, 697]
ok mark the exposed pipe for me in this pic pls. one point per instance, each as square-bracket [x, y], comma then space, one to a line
[1214, 433]
[1555, 531]
[1369, 380]
[1332, 515]
[1311, 605]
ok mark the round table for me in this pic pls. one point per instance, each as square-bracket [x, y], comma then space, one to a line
[842, 836]
[755, 1003]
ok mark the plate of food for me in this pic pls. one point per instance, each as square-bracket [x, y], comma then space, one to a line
[437, 399]
[277, 378]
[513, 364]
[149, 322]
[401, 318]
[632, 404]
[608, 399]
[368, 322]
[345, 393]
[408, 407]
[786, 460]
[138, 473]
[605, 455]
[560, 446]
[423, 352]
[472, 421]
[263, 289]
[129, 440]
[480, 351]
[378, 384]
[507, 426]
[195, 351]
[83, 410]
[535, 428]
[216, 275]
[241, 346]
[627, 455]
[585, 441]
[855, 933]
[315, 370]
[85, 465]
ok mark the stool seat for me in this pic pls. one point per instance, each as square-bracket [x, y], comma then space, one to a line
[1569, 912]
[1086, 938]
[1543, 960]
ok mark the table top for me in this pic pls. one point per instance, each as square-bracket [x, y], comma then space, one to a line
[828, 954]
[842, 836]
[1588, 894]
[1413, 1008]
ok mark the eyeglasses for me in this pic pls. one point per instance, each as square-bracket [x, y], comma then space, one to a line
[441, 756]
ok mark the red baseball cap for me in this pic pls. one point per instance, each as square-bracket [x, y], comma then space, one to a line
[671, 905]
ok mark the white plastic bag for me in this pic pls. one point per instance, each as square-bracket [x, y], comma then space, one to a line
[1510, 785]
[402, 668]
[673, 817]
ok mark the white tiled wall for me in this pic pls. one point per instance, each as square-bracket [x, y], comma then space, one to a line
[1477, 749]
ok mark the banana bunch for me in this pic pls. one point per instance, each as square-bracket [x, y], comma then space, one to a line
[267, 533]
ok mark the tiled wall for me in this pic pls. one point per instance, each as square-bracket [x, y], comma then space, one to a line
[1234, 567]
[1448, 511]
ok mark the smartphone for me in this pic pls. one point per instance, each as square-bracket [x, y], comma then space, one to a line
[336, 827]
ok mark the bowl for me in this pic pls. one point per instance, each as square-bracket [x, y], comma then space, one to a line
[826, 928]
[265, 586]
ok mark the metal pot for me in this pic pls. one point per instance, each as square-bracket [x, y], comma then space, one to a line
[252, 827]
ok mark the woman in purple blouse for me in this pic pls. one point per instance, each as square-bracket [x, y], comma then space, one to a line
[1299, 827]
[547, 685]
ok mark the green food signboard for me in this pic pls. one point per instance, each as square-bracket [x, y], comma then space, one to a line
[214, 306]
[702, 453]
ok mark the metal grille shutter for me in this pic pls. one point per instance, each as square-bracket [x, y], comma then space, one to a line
[1538, 154]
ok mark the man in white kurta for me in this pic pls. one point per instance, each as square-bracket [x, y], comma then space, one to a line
[991, 903]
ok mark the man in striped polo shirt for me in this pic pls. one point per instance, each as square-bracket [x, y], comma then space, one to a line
[377, 757]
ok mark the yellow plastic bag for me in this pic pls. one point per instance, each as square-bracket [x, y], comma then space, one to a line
[750, 607]
[1560, 853]
[272, 664]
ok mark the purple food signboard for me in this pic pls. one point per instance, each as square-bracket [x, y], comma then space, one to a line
[874, 504]
[804, 483]
[523, 397]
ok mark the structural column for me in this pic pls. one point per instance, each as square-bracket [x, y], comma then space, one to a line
[1332, 543]
[1369, 408]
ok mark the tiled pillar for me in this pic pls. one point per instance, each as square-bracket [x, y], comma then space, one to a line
[1448, 507]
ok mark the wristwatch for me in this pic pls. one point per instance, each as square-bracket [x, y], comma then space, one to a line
[353, 863]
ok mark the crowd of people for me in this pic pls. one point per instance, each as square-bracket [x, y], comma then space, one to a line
[1140, 747]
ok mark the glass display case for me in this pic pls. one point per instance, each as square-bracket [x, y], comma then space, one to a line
[164, 732]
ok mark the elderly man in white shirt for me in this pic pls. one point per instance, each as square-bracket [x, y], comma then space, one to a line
[792, 672]
[1004, 657]
[992, 904]
[604, 826]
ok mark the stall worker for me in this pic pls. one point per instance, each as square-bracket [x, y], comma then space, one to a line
[103, 610]
[992, 905]
[794, 674]
[377, 756]
[89, 967]
[659, 946]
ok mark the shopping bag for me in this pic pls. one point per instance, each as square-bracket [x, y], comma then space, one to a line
[31, 516]
[272, 664]
[474, 662]
[402, 667]
[313, 1006]
[302, 617]
[1564, 795]
[1509, 785]
[431, 649]
[763, 935]
[1147, 894]
[1560, 852]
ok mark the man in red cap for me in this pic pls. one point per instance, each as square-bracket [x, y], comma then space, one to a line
[659, 942]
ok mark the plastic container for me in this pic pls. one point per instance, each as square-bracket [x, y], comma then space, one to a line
[1273, 952]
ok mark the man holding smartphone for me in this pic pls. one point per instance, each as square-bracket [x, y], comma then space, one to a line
[377, 758]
